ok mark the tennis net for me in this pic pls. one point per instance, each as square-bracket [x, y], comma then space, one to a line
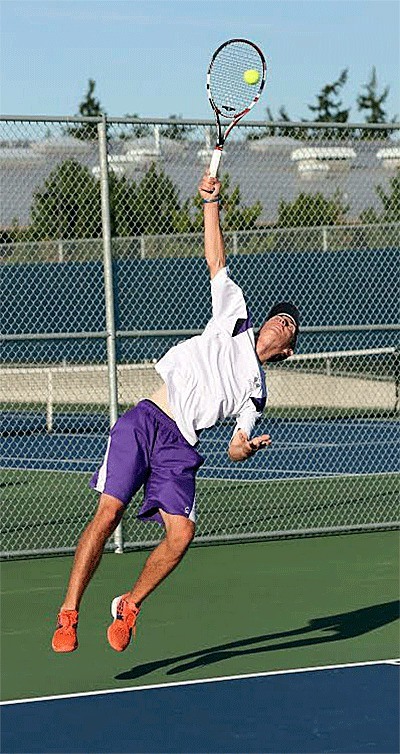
[74, 398]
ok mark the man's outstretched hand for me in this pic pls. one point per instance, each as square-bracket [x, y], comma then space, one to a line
[241, 447]
[209, 188]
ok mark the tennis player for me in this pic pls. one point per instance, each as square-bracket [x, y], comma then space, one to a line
[154, 445]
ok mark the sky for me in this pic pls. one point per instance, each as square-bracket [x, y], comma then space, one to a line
[150, 57]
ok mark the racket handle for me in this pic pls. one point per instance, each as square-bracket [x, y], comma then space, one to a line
[215, 160]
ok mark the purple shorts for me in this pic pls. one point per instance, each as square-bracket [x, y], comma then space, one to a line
[146, 448]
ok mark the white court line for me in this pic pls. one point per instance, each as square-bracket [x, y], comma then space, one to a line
[57, 471]
[47, 459]
[149, 687]
[35, 589]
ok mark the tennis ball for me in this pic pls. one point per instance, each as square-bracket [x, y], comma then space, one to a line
[251, 76]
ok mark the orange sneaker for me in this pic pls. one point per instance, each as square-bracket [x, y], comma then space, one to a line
[120, 632]
[65, 637]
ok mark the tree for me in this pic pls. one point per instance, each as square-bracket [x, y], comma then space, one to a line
[280, 130]
[176, 130]
[123, 210]
[68, 206]
[89, 107]
[309, 210]
[235, 216]
[391, 200]
[156, 203]
[371, 103]
[329, 107]
[5, 244]
[136, 130]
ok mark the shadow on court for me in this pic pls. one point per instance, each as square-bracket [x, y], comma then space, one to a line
[337, 627]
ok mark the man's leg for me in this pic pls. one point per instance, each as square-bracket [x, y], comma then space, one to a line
[90, 548]
[179, 532]
[87, 558]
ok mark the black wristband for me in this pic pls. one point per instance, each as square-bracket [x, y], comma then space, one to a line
[210, 201]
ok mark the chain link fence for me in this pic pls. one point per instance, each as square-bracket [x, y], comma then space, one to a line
[103, 270]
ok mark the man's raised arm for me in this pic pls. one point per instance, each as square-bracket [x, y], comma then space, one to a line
[214, 249]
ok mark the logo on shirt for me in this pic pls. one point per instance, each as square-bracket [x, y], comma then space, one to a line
[255, 383]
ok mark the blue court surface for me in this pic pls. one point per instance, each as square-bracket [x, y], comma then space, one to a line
[299, 449]
[344, 708]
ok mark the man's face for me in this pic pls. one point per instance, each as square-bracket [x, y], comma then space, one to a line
[276, 335]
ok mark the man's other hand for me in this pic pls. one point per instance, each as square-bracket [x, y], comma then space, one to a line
[241, 447]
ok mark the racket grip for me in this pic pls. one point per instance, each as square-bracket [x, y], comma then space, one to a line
[215, 160]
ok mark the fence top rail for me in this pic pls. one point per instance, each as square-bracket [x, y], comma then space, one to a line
[304, 125]
[248, 232]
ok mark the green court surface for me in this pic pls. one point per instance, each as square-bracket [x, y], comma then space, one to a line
[231, 609]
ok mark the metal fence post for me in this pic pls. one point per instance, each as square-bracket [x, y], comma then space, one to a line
[109, 293]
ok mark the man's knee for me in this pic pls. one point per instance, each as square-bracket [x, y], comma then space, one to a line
[179, 533]
[109, 512]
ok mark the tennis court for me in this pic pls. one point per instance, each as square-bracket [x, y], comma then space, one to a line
[216, 658]
[280, 641]
[310, 449]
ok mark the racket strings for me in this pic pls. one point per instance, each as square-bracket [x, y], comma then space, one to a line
[230, 93]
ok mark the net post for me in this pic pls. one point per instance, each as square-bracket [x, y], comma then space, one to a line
[109, 293]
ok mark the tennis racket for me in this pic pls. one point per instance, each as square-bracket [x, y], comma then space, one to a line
[235, 80]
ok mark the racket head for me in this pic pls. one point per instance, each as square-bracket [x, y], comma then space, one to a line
[230, 96]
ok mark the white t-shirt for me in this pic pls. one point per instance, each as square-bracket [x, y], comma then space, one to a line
[217, 374]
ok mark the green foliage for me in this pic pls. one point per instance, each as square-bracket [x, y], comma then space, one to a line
[371, 103]
[369, 216]
[123, 213]
[329, 107]
[89, 107]
[182, 220]
[234, 216]
[135, 130]
[177, 131]
[311, 210]
[391, 205]
[281, 129]
[391, 200]
[68, 206]
[157, 202]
